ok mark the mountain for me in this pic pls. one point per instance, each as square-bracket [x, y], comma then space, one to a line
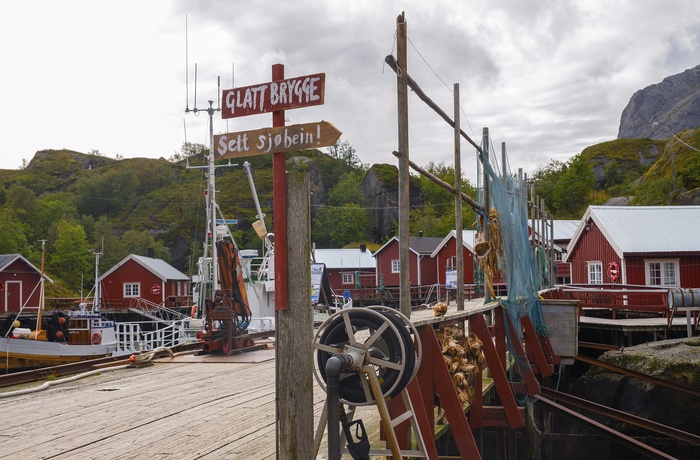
[673, 104]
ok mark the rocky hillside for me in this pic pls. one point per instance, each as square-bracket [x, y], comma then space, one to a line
[673, 104]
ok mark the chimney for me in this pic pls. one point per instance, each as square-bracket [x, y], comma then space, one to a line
[363, 247]
[420, 234]
[151, 253]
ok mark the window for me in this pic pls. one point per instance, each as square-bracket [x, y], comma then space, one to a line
[395, 266]
[558, 256]
[132, 290]
[661, 272]
[595, 272]
[348, 278]
[452, 263]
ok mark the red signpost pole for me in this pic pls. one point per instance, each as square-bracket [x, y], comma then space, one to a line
[279, 202]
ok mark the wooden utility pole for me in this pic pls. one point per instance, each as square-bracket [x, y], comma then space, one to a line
[458, 203]
[404, 193]
[293, 330]
[487, 198]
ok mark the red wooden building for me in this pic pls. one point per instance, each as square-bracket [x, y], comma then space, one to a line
[446, 256]
[352, 270]
[138, 277]
[422, 267]
[19, 284]
[638, 245]
[563, 231]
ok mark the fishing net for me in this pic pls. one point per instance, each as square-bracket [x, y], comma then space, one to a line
[518, 265]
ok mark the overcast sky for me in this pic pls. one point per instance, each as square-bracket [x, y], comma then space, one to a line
[548, 77]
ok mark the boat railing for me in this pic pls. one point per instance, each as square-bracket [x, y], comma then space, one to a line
[133, 337]
[155, 311]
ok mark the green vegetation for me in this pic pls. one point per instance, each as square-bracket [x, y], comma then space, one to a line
[647, 171]
[81, 204]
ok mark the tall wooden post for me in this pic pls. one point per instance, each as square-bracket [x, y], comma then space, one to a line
[404, 177]
[458, 204]
[279, 202]
[487, 198]
[294, 330]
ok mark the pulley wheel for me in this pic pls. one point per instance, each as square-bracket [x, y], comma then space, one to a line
[408, 331]
[385, 348]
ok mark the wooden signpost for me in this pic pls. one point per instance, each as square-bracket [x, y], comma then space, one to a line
[280, 139]
[275, 97]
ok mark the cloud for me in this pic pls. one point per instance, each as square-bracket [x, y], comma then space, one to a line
[549, 78]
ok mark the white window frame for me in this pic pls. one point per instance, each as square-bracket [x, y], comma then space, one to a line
[595, 272]
[663, 265]
[128, 289]
[348, 278]
[395, 266]
[558, 256]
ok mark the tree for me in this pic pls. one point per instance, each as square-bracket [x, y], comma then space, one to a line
[108, 192]
[546, 179]
[188, 150]
[577, 181]
[142, 243]
[71, 257]
[12, 238]
[344, 151]
[345, 219]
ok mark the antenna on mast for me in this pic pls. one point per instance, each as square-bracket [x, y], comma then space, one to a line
[187, 71]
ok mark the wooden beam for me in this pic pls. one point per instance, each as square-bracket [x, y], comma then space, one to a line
[293, 333]
[404, 176]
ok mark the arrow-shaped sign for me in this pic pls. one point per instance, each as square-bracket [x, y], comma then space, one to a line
[274, 140]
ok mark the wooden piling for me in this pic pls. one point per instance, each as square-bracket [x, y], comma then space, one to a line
[294, 331]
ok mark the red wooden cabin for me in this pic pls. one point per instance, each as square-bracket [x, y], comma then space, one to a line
[352, 270]
[19, 284]
[138, 277]
[655, 246]
[563, 232]
[446, 256]
[422, 267]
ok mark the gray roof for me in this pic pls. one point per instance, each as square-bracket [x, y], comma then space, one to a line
[421, 245]
[646, 229]
[565, 229]
[7, 259]
[467, 240]
[424, 245]
[345, 258]
[158, 267]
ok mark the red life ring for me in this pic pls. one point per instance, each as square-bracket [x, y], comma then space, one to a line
[613, 271]
[96, 339]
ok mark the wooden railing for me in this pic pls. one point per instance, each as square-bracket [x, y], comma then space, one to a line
[616, 298]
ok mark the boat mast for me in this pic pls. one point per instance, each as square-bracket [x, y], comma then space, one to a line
[211, 196]
[41, 293]
[97, 296]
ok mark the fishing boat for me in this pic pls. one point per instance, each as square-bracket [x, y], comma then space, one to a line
[60, 337]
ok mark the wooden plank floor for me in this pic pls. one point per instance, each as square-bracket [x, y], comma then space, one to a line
[172, 410]
[180, 408]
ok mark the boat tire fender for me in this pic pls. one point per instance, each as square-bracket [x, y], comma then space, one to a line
[96, 338]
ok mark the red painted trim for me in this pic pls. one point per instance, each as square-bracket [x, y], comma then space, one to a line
[279, 202]
[532, 344]
[477, 324]
[450, 401]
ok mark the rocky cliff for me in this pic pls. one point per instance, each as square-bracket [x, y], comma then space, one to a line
[673, 104]
[381, 188]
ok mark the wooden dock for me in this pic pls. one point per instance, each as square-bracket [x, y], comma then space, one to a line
[184, 407]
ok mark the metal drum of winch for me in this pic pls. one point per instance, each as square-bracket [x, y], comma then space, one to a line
[374, 339]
